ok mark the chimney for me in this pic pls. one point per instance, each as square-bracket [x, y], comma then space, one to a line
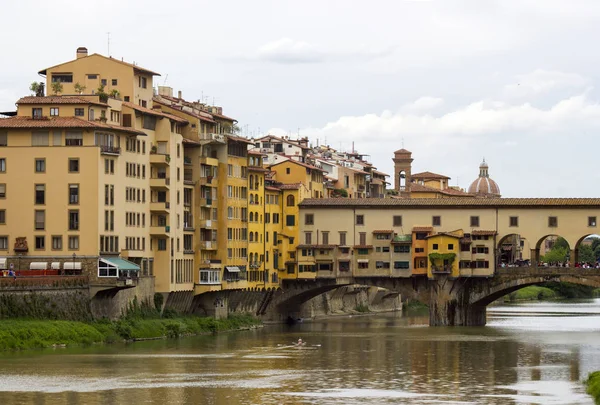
[82, 52]
[179, 94]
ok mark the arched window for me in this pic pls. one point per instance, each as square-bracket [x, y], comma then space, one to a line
[251, 181]
[251, 198]
[290, 200]
[251, 237]
[256, 198]
[402, 180]
[256, 236]
[251, 216]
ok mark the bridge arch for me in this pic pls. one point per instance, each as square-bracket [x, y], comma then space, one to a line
[509, 285]
[578, 245]
[513, 248]
[546, 244]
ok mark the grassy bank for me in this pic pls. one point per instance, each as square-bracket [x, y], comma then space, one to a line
[531, 293]
[32, 334]
[593, 385]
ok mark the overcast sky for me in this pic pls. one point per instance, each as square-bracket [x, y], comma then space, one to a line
[455, 81]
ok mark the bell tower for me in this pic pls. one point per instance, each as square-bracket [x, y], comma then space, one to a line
[402, 169]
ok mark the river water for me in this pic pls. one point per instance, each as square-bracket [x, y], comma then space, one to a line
[535, 353]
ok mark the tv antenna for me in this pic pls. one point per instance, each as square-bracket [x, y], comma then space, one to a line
[165, 81]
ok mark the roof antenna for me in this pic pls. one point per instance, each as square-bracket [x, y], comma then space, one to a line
[108, 43]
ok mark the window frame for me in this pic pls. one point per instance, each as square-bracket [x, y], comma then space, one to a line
[43, 165]
[474, 221]
[436, 220]
[73, 160]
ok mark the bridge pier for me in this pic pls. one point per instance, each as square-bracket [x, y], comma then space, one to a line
[450, 303]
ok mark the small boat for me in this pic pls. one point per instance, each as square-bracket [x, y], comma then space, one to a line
[299, 343]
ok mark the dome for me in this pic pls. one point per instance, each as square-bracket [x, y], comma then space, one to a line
[484, 186]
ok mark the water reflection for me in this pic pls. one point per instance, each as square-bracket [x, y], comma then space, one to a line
[519, 358]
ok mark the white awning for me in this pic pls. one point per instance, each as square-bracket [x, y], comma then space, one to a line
[72, 266]
[55, 265]
[38, 265]
[233, 269]
[2, 263]
[362, 261]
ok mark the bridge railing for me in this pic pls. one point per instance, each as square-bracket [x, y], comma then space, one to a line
[43, 282]
[507, 271]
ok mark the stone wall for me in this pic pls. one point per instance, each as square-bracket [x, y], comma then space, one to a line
[60, 303]
[351, 299]
[112, 303]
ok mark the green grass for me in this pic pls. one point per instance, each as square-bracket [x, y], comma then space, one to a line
[362, 308]
[531, 293]
[593, 385]
[596, 292]
[415, 306]
[21, 334]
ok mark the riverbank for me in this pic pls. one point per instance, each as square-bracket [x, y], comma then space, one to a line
[551, 290]
[593, 385]
[19, 334]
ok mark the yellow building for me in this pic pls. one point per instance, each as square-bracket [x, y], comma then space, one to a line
[443, 251]
[257, 222]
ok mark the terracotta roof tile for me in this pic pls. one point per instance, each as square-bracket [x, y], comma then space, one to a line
[293, 186]
[57, 100]
[155, 112]
[402, 151]
[428, 175]
[300, 164]
[450, 202]
[422, 229]
[61, 122]
[272, 188]
[180, 108]
[136, 67]
[482, 232]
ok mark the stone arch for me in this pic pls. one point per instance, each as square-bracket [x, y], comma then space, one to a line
[547, 242]
[513, 249]
[401, 180]
[507, 286]
[578, 245]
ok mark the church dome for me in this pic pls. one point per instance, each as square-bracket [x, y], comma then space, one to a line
[483, 186]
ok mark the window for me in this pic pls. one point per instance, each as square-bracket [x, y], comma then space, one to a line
[62, 78]
[309, 219]
[308, 238]
[287, 170]
[40, 194]
[3, 242]
[343, 239]
[290, 201]
[290, 220]
[474, 222]
[402, 249]
[437, 220]
[103, 82]
[74, 165]
[2, 217]
[397, 220]
[40, 138]
[450, 246]
[56, 138]
[73, 220]
[362, 236]
[74, 138]
[2, 165]
[40, 242]
[114, 82]
[73, 242]
[79, 112]
[92, 77]
[3, 138]
[325, 238]
[360, 220]
[382, 265]
[2, 190]
[162, 244]
[149, 122]
[36, 113]
[57, 243]
[513, 221]
[591, 221]
[552, 222]
[54, 111]
[40, 165]
[401, 265]
[435, 246]
[419, 250]
[363, 251]
[420, 236]
[73, 193]
[143, 82]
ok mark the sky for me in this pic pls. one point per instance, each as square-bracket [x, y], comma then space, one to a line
[511, 81]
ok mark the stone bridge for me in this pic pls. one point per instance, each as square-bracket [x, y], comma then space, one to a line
[452, 301]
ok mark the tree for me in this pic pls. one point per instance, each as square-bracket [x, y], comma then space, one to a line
[586, 254]
[102, 95]
[556, 255]
[114, 93]
[561, 243]
[37, 88]
[595, 242]
[79, 89]
[57, 88]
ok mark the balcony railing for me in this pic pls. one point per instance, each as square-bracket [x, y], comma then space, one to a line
[110, 150]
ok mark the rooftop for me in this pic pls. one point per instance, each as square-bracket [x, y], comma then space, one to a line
[60, 122]
[57, 100]
[451, 202]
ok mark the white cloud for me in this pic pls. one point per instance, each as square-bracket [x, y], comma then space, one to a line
[423, 104]
[541, 82]
[286, 50]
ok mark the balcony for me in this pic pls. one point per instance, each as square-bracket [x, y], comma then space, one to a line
[210, 264]
[208, 224]
[208, 202]
[159, 230]
[204, 160]
[215, 137]
[110, 150]
[188, 228]
[160, 159]
[160, 182]
[159, 206]
[188, 251]
[187, 160]
[208, 245]
[208, 181]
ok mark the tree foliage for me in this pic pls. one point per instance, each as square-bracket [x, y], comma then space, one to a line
[586, 254]
[37, 89]
[57, 88]
[556, 255]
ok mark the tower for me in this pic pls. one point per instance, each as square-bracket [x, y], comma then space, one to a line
[402, 169]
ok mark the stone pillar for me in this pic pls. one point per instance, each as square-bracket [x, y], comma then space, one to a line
[535, 257]
[450, 306]
[573, 257]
